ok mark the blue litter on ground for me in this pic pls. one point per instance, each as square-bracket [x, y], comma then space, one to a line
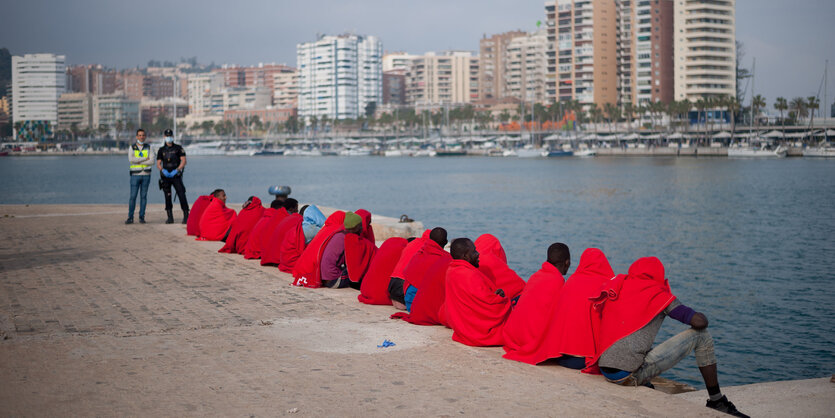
[386, 343]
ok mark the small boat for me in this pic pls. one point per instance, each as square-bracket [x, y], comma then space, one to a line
[393, 153]
[451, 152]
[764, 150]
[558, 153]
[529, 151]
[822, 151]
[355, 152]
[269, 152]
[205, 148]
[586, 152]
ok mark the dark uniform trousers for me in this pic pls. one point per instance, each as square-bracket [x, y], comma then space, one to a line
[177, 182]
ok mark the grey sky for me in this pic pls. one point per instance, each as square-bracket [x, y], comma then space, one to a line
[790, 38]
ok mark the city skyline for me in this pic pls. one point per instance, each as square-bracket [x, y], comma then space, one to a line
[784, 38]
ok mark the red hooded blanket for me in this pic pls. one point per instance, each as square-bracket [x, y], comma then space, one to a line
[473, 310]
[628, 302]
[360, 249]
[306, 273]
[260, 231]
[367, 229]
[429, 253]
[533, 313]
[406, 256]
[216, 220]
[273, 243]
[374, 287]
[493, 263]
[292, 243]
[570, 331]
[242, 226]
[430, 296]
[197, 209]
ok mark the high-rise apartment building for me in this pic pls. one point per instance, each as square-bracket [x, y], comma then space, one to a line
[286, 89]
[625, 50]
[525, 66]
[652, 37]
[397, 61]
[492, 65]
[93, 79]
[200, 89]
[394, 87]
[340, 76]
[38, 80]
[585, 55]
[448, 78]
[704, 49]
[261, 75]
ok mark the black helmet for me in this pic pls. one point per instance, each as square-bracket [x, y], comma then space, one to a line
[168, 132]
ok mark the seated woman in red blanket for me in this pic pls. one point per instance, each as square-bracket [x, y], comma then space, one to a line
[493, 263]
[269, 220]
[247, 218]
[569, 336]
[296, 238]
[531, 317]
[217, 219]
[307, 270]
[474, 307]
[359, 249]
[425, 278]
[374, 286]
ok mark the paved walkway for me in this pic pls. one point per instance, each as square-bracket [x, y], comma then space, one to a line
[101, 318]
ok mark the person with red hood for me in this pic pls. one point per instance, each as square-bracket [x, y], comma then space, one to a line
[359, 249]
[475, 308]
[296, 238]
[247, 218]
[528, 323]
[569, 335]
[275, 231]
[307, 271]
[197, 209]
[493, 263]
[217, 219]
[395, 284]
[374, 286]
[414, 274]
[261, 231]
[627, 315]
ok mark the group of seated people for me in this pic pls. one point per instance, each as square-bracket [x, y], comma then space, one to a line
[595, 321]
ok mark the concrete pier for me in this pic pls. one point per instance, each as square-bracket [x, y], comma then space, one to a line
[102, 318]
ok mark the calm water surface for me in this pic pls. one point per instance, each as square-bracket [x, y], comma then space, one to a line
[749, 243]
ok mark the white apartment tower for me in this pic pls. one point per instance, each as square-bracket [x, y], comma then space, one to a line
[704, 49]
[448, 78]
[525, 67]
[200, 90]
[339, 76]
[38, 80]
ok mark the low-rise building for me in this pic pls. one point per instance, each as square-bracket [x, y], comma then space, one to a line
[200, 89]
[75, 109]
[271, 116]
[111, 109]
[149, 109]
[394, 87]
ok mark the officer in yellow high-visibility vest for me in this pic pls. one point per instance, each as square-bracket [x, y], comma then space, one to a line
[141, 160]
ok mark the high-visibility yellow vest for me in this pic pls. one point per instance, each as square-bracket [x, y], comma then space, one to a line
[140, 153]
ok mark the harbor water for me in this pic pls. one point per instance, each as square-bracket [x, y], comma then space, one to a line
[751, 243]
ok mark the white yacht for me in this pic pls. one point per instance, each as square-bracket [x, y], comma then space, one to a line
[205, 148]
[763, 150]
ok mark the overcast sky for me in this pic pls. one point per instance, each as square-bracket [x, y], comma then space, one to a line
[790, 38]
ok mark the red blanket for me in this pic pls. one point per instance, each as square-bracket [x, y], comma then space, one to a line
[255, 245]
[359, 252]
[570, 331]
[197, 208]
[306, 273]
[429, 253]
[427, 304]
[242, 226]
[473, 310]
[271, 253]
[367, 229]
[406, 256]
[532, 315]
[374, 287]
[293, 244]
[216, 220]
[493, 263]
[628, 302]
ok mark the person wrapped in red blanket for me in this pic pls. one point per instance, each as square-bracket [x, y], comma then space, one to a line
[528, 323]
[569, 336]
[274, 233]
[374, 286]
[197, 209]
[395, 284]
[421, 300]
[474, 307]
[217, 219]
[493, 263]
[360, 249]
[627, 315]
[297, 237]
[307, 270]
[247, 218]
[262, 229]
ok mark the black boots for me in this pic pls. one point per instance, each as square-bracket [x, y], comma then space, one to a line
[170, 219]
[185, 217]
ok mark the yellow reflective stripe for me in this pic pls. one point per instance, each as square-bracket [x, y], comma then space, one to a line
[138, 153]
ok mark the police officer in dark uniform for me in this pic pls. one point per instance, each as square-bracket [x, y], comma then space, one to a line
[171, 160]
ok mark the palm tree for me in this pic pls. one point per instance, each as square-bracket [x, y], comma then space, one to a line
[813, 104]
[781, 104]
[798, 106]
[732, 106]
[612, 114]
[628, 113]
[702, 105]
[595, 114]
[757, 103]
